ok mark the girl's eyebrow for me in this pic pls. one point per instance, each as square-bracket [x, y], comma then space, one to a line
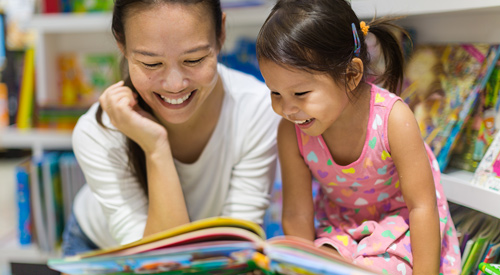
[152, 54]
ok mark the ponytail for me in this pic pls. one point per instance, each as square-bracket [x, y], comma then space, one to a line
[383, 29]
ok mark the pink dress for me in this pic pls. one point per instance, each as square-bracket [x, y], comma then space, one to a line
[360, 208]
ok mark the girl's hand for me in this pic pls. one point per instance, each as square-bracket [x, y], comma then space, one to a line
[121, 105]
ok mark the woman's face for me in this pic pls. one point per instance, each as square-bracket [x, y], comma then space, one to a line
[172, 57]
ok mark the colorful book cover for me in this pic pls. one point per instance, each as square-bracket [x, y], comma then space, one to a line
[11, 76]
[487, 174]
[38, 205]
[219, 245]
[53, 197]
[22, 172]
[84, 76]
[491, 254]
[442, 86]
[27, 92]
[487, 268]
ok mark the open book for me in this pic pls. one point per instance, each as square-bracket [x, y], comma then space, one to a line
[219, 245]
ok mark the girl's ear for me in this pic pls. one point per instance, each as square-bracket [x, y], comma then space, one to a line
[354, 73]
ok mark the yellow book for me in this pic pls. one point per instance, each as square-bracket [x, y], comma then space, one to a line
[27, 92]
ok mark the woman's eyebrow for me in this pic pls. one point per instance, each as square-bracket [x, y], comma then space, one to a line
[152, 54]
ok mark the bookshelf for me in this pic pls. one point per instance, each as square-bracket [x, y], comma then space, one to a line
[435, 21]
[37, 140]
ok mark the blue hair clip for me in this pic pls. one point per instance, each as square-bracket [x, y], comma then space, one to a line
[357, 43]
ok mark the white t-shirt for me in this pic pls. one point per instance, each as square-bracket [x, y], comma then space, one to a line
[232, 177]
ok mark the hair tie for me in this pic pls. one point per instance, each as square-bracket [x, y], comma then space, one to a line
[357, 43]
[364, 27]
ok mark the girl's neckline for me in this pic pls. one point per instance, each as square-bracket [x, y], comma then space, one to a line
[368, 133]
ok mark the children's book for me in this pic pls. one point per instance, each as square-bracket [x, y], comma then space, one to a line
[22, 171]
[487, 174]
[489, 268]
[218, 245]
[491, 254]
[487, 232]
[442, 85]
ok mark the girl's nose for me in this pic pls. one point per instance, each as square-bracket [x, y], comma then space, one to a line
[174, 81]
[289, 108]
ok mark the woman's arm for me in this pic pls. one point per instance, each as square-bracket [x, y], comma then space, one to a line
[119, 193]
[417, 185]
[298, 208]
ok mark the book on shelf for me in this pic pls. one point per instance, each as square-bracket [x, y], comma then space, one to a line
[481, 128]
[53, 197]
[210, 246]
[38, 206]
[442, 85]
[26, 106]
[486, 233]
[53, 178]
[491, 254]
[487, 268]
[22, 175]
[487, 174]
[83, 77]
[479, 237]
[11, 76]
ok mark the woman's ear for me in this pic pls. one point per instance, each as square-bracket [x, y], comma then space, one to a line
[222, 38]
[121, 47]
[354, 73]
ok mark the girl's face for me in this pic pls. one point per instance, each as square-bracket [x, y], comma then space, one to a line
[172, 58]
[311, 101]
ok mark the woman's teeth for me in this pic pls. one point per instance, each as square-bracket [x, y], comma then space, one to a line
[176, 101]
[303, 121]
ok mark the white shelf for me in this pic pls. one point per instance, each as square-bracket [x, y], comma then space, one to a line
[368, 8]
[35, 139]
[458, 189]
[70, 22]
[59, 23]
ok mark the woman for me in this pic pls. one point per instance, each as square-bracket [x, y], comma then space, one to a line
[180, 139]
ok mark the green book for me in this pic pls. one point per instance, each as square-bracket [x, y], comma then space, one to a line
[487, 268]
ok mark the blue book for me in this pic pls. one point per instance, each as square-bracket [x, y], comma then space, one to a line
[22, 172]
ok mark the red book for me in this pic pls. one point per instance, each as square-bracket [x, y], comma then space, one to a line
[50, 6]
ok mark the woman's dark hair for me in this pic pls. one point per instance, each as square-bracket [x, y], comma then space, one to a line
[121, 10]
[316, 36]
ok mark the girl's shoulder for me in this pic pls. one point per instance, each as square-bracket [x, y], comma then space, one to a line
[382, 96]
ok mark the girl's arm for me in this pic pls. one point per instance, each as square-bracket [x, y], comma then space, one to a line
[417, 185]
[298, 209]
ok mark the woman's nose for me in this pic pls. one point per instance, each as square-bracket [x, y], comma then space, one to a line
[174, 81]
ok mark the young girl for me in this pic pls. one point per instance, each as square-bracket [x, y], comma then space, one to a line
[381, 203]
[180, 139]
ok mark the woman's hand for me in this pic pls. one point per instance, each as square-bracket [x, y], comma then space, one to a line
[121, 105]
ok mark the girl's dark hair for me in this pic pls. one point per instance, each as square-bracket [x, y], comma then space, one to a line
[316, 36]
[121, 10]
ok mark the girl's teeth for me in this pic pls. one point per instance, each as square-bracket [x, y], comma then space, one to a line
[176, 101]
[302, 121]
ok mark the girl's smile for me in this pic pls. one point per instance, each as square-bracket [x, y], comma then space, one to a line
[313, 102]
